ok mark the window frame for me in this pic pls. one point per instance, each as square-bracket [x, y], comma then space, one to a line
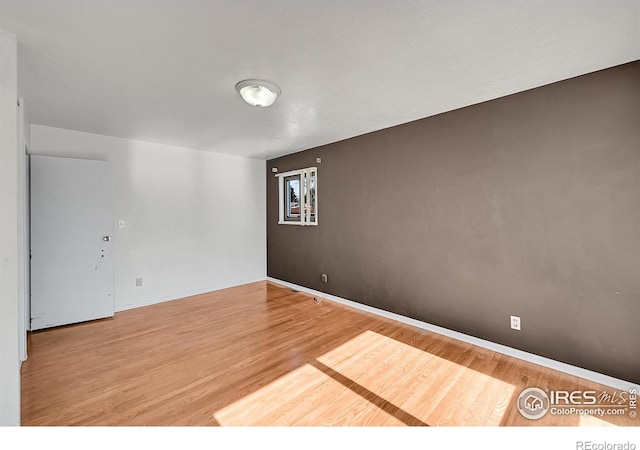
[304, 175]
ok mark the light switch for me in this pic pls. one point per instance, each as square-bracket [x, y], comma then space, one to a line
[120, 223]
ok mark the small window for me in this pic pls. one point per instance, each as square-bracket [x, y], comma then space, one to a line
[298, 197]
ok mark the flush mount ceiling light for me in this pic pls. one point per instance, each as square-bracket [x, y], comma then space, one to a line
[258, 92]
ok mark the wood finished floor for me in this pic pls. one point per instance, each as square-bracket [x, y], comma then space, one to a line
[261, 354]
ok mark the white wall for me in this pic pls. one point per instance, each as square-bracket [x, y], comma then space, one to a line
[10, 213]
[194, 221]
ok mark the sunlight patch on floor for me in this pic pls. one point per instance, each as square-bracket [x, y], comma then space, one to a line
[376, 380]
[422, 384]
[305, 396]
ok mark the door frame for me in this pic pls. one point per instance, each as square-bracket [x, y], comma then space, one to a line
[24, 250]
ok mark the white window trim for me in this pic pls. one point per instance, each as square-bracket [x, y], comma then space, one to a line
[305, 215]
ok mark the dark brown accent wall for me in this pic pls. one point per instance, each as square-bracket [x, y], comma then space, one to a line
[526, 205]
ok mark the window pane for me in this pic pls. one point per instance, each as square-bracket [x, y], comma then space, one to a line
[292, 204]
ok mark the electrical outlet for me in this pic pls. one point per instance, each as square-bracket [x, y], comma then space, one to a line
[515, 323]
[324, 278]
[138, 281]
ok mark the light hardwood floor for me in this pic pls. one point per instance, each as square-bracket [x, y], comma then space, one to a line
[262, 354]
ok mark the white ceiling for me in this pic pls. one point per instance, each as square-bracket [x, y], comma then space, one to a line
[165, 70]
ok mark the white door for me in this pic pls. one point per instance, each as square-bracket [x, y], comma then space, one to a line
[71, 241]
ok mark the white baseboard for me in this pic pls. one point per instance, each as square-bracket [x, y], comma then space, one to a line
[155, 301]
[499, 348]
